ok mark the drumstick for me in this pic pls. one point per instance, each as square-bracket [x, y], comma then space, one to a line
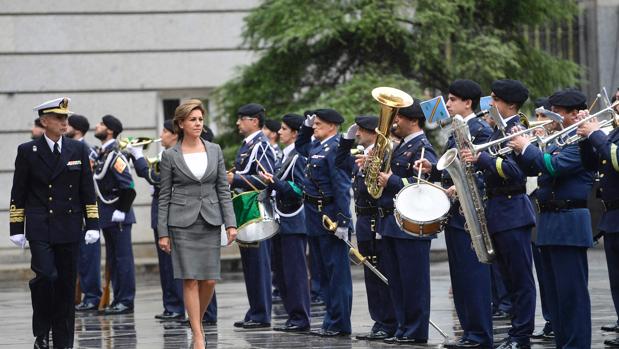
[423, 151]
[264, 170]
[231, 170]
[430, 183]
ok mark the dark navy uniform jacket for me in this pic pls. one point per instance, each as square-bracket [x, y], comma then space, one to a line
[561, 177]
[366, 225]
[505, 211]
[323, 179]
[402, 161]
[255, 150]
[112, 176]
[288, 186]
[52, 200]
[601, 152]
[153, 177]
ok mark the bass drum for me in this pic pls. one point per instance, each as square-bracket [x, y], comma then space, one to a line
[254, 217]
[421, 209]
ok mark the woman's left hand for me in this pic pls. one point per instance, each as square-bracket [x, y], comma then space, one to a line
[231, 233]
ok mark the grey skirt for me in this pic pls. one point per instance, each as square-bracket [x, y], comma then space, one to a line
[196, 251]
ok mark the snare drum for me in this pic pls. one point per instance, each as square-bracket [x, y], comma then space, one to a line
[421, 209]
[254, 217]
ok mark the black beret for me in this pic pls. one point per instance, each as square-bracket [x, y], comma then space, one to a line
[251, 109]
[542, 102]
[368, 122]
[293, 121]
[207, 134]
[112, 123]
[272, 125]
[511, 91]
[569, 98]
[413, 111]
[169, 125]
[465, 89]
[308, 113]
[79, 122]
[329, 115]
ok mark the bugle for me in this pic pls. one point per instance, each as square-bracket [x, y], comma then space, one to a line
[136, 142]
[490, 146]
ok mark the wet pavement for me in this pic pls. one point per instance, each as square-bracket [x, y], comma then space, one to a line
[141, 330]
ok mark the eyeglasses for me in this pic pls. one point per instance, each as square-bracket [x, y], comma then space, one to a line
[245, 117]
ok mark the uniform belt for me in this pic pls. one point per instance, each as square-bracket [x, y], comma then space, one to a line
[610, 205]
[318, 200]
[366, 211]
[558, 205]
[384, 212]
[507, 190]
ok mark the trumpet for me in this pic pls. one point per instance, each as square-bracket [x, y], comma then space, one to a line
[491, 146]
[137, 141]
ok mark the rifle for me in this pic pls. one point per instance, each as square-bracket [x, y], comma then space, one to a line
[105, 297]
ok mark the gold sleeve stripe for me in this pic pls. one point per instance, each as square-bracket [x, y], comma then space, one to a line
[613, 156]
[92, 211]
[92, 215]
[16, 215]
[499, 167]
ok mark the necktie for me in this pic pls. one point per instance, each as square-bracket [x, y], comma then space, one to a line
[56, 152]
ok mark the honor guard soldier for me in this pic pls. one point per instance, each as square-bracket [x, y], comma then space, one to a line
[114, 186]
[473, 304]
[327, 192]
[51, 200]
[288, 247]
[601, 152]
[369, 241]
[256, 260]
[564, 225]
[407, 257]
[510, 215]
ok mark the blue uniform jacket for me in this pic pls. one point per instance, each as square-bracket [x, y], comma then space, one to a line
[288, 186]
[323, 178]
[51, 201]
[601, 152]
[256, 150]
[402, 161]
[505, 212]
[561, 177]
[144, 171]
[110, 180]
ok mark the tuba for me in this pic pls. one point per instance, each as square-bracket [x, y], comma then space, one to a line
[391, 100]
[468, 194]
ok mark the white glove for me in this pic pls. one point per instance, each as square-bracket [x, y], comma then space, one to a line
[352, 131]
[19, 240]
[342, 233]
[91, 236]
[136, 151]
[118, 216]
[309, 121]
[378, 236]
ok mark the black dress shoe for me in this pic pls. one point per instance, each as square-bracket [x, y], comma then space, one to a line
[510, 344]
[613, 343]
[251, 324]
[391, 340]
[86, 307]
[373, 336]
[118, 309]
[461, 343]
[545, 333]
[41, 342]
[328, 333]
[501, 315]
[611, 328]
[238, 324]
[170, 316]
[291, 328]
[317, 301]
[409, 340]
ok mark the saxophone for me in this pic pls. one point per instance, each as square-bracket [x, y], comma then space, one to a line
[470, 199]
[391, 100]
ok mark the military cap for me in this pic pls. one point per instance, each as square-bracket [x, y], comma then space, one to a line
[542, 102]
[79, 122]
[368, 122]
[293, 121]
[569, 98]
[169, 125]
[466, 89]
[272, 125]
[511, 91]
[112, 123]
[329, 115]
[251, 109]
[55, 106]
[413, 111]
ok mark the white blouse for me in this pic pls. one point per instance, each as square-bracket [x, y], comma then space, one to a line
[197, 163]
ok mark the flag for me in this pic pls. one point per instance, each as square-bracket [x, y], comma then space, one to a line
[434, 109]
[484, 103]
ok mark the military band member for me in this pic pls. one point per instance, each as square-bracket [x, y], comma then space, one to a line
[509, 215]
[327, 192]
[601, 152]
[271, 131]
[288, 247]
[114, 186]
[369, 241]
[51, 200]
[256, 260]
[407, 258]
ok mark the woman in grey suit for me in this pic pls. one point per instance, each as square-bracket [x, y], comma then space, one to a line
[194, 202]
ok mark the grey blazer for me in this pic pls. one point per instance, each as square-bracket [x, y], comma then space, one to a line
[183, 197]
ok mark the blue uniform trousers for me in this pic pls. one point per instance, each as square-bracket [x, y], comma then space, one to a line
[172, 290]
[515, 263]
[89, 268]
[119, 260]
[314, 269]
[291, 267]
[501, 299]
[256, 263]
[539, 271]
[566, 274]
[335, 282]
[407, 264]
[471, 285]
[611, 247]
[380, 305]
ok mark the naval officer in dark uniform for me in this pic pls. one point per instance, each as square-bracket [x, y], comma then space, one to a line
[51, 199]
